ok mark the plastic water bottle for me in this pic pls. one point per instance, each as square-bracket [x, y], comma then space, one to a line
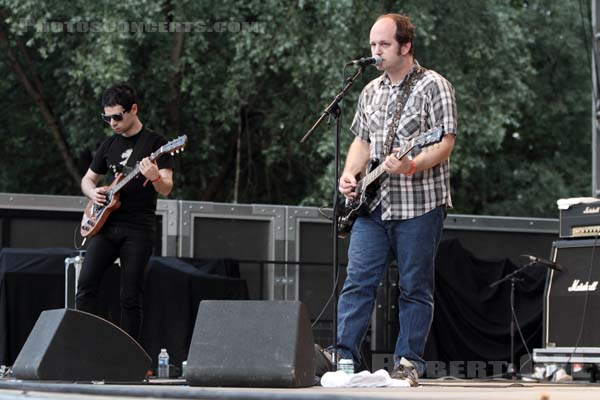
[346, 365]
[183, 368]
[163, 364]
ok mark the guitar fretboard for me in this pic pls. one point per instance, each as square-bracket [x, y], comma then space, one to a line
[379, 170]
[136, 170]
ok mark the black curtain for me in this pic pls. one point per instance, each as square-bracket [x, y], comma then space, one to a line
[472, 321]
[33, 280]
[173, 291]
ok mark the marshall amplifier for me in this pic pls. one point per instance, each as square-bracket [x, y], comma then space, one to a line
[579, 218]
[572, 296]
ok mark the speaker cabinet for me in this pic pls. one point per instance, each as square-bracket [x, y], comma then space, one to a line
[71, 345]
[572, 296]
[251, 344]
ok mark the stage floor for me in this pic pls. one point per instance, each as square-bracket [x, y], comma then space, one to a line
[429, 389]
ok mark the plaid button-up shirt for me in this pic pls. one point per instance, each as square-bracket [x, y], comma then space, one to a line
[431, 103]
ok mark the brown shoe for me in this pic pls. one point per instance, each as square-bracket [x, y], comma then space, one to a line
[406, 371]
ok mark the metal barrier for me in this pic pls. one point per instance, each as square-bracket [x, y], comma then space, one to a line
[499, 237]
[309, 243]
[38, 221]
[241, 231]
[288, 236]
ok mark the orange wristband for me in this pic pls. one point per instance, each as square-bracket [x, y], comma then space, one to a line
[156, 180]
[413, 168]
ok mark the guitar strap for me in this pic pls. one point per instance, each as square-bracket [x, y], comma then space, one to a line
[407, 87]
[136, 154]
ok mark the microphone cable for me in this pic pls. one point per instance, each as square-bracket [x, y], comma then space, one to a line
[75, 237]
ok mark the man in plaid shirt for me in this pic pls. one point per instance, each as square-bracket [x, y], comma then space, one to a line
[406, 217]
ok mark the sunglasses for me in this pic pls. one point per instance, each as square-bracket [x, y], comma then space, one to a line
[117, 117]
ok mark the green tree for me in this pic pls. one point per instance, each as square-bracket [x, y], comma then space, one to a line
[246, 96]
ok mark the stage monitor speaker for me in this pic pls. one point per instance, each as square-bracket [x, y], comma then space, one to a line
[251, 344]
[71, 345]
[572, 297]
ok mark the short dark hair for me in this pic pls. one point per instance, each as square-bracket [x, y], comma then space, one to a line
[405, 30]
[119, 94]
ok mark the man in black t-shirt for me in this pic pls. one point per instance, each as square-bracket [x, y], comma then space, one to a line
[128, 233]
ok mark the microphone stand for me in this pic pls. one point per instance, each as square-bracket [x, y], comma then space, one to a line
[513, 279]
[333, 106]
[333, 109]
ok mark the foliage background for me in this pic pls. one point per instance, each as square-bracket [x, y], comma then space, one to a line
[521, 70]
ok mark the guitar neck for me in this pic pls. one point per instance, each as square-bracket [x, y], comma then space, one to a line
[174, 146]
[377, 172]
[133, 173]
[127, 179]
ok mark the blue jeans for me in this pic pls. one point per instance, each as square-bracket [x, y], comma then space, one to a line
[373, 243]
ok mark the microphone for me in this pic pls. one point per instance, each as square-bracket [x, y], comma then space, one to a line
[547, 263]
[376, 60]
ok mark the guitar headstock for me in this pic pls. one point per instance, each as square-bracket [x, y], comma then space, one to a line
[430, 137]
[173, 147]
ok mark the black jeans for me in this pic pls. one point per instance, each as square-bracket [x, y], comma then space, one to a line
[134, 248]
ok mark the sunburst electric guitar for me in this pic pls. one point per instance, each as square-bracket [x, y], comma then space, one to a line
[95, 216]
[366, 187]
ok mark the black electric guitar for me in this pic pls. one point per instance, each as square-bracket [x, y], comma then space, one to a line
[95, 216]
[366, 187]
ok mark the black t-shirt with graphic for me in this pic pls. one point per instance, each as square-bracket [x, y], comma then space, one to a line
[138, 203]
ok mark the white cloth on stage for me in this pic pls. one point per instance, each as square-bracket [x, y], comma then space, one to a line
[379, 378]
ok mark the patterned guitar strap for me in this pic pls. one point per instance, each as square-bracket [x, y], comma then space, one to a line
[407, 86]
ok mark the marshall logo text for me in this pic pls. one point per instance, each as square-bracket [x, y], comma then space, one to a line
[578, 286]
[591, 210]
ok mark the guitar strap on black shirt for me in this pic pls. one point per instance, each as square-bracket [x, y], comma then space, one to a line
[407, 86]
[138, 147]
